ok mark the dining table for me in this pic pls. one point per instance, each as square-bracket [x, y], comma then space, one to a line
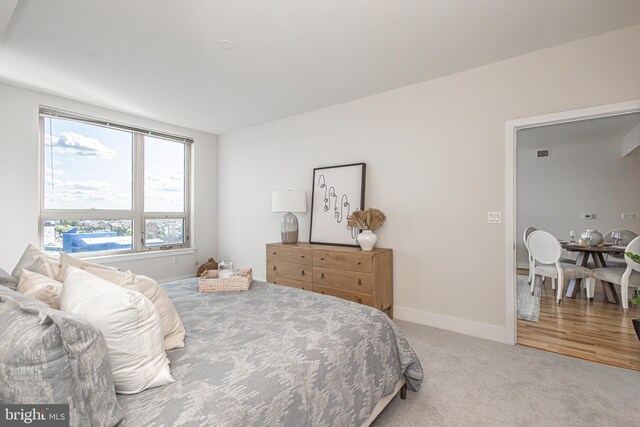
[596, 253]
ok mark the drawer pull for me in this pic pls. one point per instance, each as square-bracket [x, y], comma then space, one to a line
[323, 292]
[359, 282]
[303, 272]
[273, 253]
[274, 268]
[301, 256]
[359, 263]
[321, 259]
[322, 276]
[359, 300]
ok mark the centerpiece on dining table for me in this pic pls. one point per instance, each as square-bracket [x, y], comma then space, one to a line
[591, 237]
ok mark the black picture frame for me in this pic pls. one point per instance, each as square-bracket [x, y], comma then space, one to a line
[347, 183]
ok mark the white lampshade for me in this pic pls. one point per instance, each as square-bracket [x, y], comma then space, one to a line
[289, 201]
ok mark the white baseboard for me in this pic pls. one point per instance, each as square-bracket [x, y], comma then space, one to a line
[450, 323]
[436, 320]
[173, 279]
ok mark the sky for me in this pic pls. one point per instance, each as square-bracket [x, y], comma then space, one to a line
[90, 167]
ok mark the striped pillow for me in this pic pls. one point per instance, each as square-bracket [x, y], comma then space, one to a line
[46, 266]
[40, 287]
[67, 261]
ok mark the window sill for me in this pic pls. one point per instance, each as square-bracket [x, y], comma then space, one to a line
[140, 255]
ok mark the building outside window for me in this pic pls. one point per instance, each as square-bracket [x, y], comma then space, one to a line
[110, 187]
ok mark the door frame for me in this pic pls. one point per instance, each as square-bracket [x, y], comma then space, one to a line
[510, 132]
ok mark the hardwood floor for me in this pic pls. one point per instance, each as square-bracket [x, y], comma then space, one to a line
[596, 331]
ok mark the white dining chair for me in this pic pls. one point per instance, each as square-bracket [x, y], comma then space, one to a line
[546, 250]
[617, 260]
[532, 262]
[628, 277]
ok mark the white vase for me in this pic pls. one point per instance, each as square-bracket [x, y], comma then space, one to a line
[367, 240]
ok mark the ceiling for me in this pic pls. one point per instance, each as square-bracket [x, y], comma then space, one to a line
[161, 59]
[600, 129]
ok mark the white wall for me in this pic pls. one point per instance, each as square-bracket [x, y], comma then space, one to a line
[577, 178]
[631, 142]
[19, 181]
[435, 165]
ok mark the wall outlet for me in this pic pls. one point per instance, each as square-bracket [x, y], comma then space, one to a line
[628, 215]
[494, 217]
[587, 216]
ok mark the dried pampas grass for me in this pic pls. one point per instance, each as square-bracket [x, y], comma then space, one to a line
[368, 219]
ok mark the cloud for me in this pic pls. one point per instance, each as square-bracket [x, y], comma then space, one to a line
[163, 193]
[56, 171]
[89, 185]
[80, 145]
[85, 195]
[155, 183]
[48, 180]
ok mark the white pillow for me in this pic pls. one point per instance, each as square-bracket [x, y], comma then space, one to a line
[172, 327]
[130, 325]
[30, 255]
[67, 260]
[40, 287]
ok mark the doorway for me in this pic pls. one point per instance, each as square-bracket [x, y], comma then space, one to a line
[576, 327]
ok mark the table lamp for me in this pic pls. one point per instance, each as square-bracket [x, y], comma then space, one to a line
[289, 201]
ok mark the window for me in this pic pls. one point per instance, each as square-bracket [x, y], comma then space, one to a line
[111, 188]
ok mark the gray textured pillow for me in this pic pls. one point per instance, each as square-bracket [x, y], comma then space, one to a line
[30, 254]
[49, 356]
[8, 280]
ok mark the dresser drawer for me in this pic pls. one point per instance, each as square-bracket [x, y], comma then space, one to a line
[343, 272]
[289, 270]
[291, 254]
[343, 279]
[285, 281]
[365, 299]
[354, 261]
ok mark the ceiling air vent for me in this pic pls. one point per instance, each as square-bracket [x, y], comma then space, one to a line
[543, 152]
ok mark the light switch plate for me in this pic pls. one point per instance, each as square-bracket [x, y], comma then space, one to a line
[494, 217]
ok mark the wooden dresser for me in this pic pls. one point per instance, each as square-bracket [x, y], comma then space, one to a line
[345, 272]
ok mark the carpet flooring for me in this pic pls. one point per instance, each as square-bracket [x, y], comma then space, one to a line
[474, 382]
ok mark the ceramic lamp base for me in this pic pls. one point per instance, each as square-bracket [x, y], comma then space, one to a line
[289, 228]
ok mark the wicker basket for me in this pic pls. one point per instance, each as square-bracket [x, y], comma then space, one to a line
[210, 282]
[211, 264]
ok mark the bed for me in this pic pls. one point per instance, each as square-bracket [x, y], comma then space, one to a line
[277, 356]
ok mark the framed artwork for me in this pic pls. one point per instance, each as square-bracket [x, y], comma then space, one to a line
[337, 191]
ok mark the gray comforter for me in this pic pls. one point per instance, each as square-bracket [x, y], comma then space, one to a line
[275, 356]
